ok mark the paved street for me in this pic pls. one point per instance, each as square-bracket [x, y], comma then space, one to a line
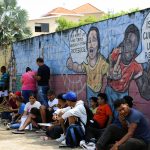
[28, 141]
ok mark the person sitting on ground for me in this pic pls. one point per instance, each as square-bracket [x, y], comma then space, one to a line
[33, 103]
[52, 106]
[93, 134]
[103, 115]
[119, 120]
[10, 107]
[135, 136]
[54, 131]
[94, 104]
[15, 123]
[75, 114]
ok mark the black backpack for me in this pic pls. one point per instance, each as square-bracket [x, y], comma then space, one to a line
[74, 134]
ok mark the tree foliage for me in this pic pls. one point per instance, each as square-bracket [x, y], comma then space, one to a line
[13, 22]
[66, 24]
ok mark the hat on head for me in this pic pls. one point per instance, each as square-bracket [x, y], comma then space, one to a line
[18, 93]
[70, 96]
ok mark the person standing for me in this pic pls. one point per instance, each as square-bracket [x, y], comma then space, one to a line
[4, 81]
[42, 77]
[28, 83]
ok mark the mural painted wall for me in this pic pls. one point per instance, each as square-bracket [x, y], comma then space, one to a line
[111, 56]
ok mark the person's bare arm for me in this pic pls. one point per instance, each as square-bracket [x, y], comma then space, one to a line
[38, 78]
[129, 134]
[25, 113]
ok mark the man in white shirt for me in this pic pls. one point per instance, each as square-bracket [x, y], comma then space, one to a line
[73, 113]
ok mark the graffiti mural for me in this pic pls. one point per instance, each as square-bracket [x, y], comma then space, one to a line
[124, 67]
[111, 56]
[94, 65]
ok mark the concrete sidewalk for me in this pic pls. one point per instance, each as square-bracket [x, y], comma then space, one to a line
[28, 141]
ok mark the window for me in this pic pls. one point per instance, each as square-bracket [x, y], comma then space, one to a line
[42, 27]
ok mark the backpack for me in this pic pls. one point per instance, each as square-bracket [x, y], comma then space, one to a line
[74, 134]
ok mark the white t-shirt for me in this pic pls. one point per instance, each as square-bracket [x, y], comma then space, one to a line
[28, 106]
[53, 104]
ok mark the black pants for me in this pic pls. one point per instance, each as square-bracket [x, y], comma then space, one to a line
[55, 132]
[91, 133]
[113, 133]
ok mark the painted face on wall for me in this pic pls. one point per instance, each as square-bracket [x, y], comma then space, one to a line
[129, 48]
[92, 44]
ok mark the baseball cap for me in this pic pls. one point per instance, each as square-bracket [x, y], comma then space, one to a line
[18, 93]
[70, 96]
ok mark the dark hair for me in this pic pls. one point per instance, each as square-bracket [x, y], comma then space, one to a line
[98, 36]
[94, 99]
[3, 68]
[32, 94]
[41, 60]
[128, 100]
[20, 99]
[60, 96]
[103, 96]
[28, 69]
[132, 29]
[51, 92]
[118, 103]
[35, 111]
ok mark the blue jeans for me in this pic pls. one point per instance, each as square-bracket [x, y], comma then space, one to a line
[15, 125]
[26, 94]
[90, 93]
[112, 96]
[42, 95]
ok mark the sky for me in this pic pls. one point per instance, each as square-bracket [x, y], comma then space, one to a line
[37, 8]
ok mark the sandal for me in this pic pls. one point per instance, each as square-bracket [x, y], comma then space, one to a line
[18, 132]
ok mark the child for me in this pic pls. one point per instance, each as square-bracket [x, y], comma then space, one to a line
[15, 124]
[33, 103]
[94, 104]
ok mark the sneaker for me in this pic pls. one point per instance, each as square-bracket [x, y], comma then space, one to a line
[40, 131]
[63, 142]
[62, 138]
[18, 132]
[7, 127]
[89, 146]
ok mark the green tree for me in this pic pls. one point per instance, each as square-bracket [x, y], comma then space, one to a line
[87, 20]
[66, 24]
[13, 22]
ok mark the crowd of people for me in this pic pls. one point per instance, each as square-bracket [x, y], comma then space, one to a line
[67, 119]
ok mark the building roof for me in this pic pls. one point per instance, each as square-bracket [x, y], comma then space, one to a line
[59, 10]
[87, 8]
